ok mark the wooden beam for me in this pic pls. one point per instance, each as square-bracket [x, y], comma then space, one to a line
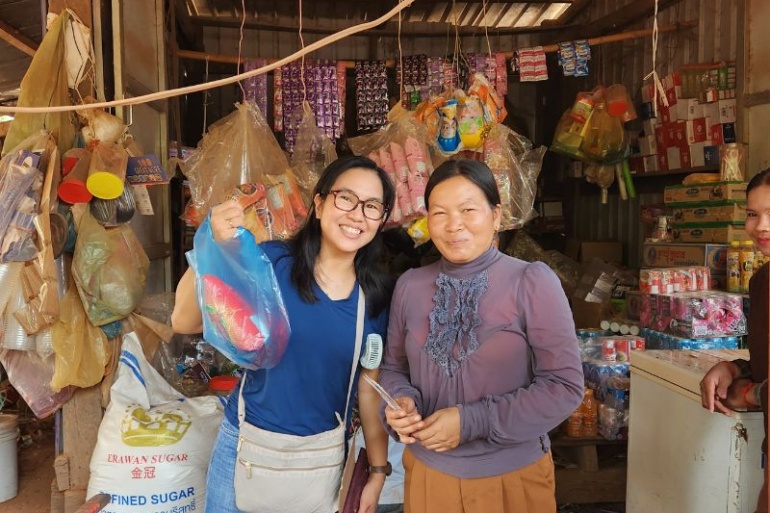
[630, 14]
[16, 39]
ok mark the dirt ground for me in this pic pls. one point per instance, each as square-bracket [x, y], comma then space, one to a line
[35, 471]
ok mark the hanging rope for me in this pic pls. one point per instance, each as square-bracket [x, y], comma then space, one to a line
[302, 62]
[486, 27]
[205, 101]
[657, 86]
[240, 46]
[400, 62]
[162, 95]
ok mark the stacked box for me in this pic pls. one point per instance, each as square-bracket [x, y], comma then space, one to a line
[700, 117]
[712, 256]
[707, 194]
[717, 212]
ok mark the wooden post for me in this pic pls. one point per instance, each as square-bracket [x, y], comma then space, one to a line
[81, 417]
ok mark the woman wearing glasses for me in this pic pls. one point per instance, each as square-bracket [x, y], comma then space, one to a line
[319, 272]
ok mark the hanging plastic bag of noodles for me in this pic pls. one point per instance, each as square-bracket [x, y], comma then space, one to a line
[313, 151]
[516, 166]
[238, 149]
[400, 148]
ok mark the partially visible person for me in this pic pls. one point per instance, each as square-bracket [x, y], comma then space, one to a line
[392, 495]
[482, 360]
[740, 383]
[319, 273]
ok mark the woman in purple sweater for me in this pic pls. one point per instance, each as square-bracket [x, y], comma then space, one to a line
[482, 359]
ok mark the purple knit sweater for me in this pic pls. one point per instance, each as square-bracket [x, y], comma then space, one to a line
[514, 371]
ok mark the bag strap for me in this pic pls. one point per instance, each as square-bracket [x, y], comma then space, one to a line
[357, 351]
[356, 355]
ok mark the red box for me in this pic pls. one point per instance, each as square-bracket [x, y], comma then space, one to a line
[660, 138]
[636, 163]
[676, 134]
[671, 97]
[696, 130]
[716, 137]
[664, 113]
[662, 162]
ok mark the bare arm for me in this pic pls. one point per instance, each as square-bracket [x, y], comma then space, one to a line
[376, 440]
[186, 317]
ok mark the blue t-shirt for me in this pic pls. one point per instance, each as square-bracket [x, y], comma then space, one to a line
[301, 395]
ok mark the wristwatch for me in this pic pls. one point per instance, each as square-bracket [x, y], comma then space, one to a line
[384, 469]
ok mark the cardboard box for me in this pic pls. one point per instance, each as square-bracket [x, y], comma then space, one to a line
[697, 156]
[665, 254]
[678, 157]
[720, 233]
[636, 163]
[646, 112]
[711, 113]
[715, 137]
[711, 213]
[662, 162]
[584, 252]
[649, 126]
[719, 191]
[728, 133]
[589, 315]
[651, 164]
[711, 156]
[647, 145]
[727, 111]
[696, 130]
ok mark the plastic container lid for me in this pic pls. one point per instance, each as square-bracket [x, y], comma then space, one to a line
[105, 185]
[74, 191]
[223, 383]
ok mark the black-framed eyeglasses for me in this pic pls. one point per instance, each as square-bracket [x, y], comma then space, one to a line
[348, 202]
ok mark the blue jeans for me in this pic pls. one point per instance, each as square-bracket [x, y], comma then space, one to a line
[220, 490]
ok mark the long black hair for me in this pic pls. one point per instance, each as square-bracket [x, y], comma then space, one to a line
[477, 172]
[761, 178]
[306, 244]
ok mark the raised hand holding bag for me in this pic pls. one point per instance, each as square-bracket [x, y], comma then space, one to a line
[280, 473]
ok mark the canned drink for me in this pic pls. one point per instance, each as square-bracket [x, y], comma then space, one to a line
[703, 279]
[654, 280]
[609, 352]
[678, 280]
[666, 282]
[690, 279]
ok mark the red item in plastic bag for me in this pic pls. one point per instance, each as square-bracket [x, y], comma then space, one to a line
[231, 314]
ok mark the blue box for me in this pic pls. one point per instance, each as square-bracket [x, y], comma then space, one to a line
[728, 132]
[711, 156]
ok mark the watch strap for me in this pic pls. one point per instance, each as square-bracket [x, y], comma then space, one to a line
[383, 469]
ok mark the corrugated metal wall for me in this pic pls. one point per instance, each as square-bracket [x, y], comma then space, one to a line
[715, 38]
